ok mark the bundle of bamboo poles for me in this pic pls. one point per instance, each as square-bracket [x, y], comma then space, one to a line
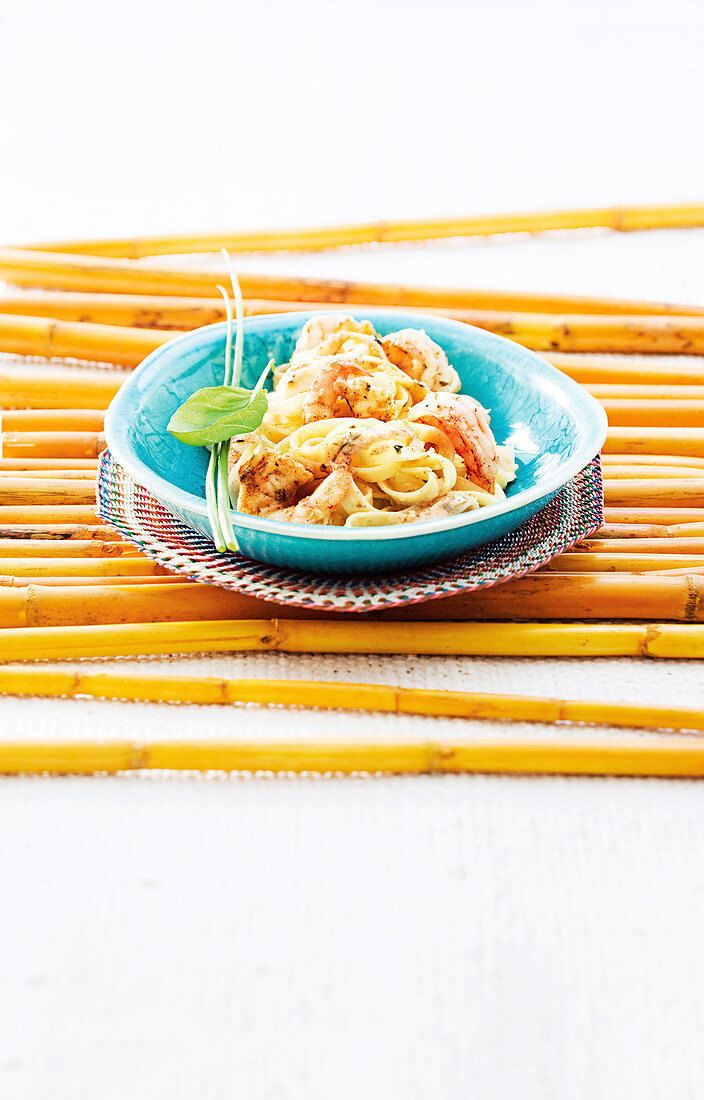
[70, 586]
[647, 565]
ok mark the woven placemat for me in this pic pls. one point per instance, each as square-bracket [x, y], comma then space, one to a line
[576, 511]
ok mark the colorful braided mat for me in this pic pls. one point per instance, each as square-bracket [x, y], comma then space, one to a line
[576, 511]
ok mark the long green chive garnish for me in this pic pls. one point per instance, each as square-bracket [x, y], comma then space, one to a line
[224, 502]
[214, 415]
[228, 338]
[239, 310]
[220, 450]
[261, 380]
[211, 499]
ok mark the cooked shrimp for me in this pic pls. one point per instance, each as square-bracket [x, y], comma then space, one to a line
[342, 388]
[466, 425]
[268, 481]
[329, 496]
[421, 358]
[318, 329]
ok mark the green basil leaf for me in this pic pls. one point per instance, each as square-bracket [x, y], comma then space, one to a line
[216, 413]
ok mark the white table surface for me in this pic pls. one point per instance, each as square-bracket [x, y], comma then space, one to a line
[396, 938]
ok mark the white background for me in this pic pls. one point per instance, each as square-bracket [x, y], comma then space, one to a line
[419, 938]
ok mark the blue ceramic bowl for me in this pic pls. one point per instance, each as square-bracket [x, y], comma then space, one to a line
[554, 425]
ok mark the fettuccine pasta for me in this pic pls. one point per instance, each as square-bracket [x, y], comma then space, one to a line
[367, 431]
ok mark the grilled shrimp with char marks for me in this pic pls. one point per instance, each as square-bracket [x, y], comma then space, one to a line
[342, 388]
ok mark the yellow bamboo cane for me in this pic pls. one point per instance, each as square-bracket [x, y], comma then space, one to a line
[26, 491]
[633, 370]
[52, 420]
[311, 238]
[676, 757]
[58, 387]
[67, 339]
[496, 639]
[51, 513]
[623, 561]
[154, 687]
[59, 532]
[63, 548]
[53, 445]
[540, 596]
[642, 491]
[59, 271]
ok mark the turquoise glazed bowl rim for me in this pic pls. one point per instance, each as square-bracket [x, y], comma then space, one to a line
[124, 405]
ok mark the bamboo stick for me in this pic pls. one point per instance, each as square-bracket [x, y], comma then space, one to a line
[608, 333]
[58, 387]
[58, 531]
[494, 639]
[72, 340]
[131, 310]
[55, 566]
[24, 491]
[49, 473]
[689, 570]
[79, 581]
[590, 370]
[675, 757]
[675, 516]
[639, 545]
[628, 531]
[27, 465]
[52, 420]
[647, 440]
[624, 562]
[53, 444]
[179, 314]
[52, 270]
[311, 238]
[683, 532]
[128, 347]
[159, 688]
[51, 513]
[64, 548]
[642, 413]
[541, 596]
[577, 332]
[574, 596]
[610, 460]
[681, 335]
[676, 491]
[655, 392]
[630, 473]
[124, 346]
